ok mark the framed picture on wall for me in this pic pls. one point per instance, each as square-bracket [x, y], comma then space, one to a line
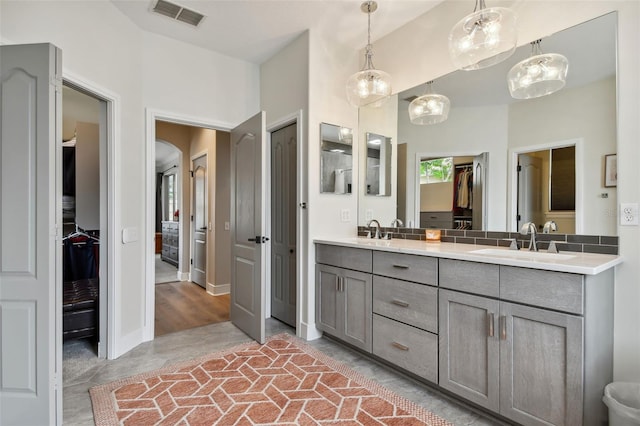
[610, 171]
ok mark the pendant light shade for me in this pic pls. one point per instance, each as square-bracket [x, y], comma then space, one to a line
[539, 75]
[370, 87]
[484, 38]
[430, 108]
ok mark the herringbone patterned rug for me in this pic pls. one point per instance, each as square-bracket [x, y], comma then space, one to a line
[283, 382]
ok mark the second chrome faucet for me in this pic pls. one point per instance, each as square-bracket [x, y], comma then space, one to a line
[529, 228]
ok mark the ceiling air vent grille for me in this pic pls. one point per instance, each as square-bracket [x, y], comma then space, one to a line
[177, 12]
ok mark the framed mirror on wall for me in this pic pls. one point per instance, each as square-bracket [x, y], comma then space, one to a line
[485, 118]
[336, 159]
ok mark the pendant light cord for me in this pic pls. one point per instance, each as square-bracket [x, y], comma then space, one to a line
[368, 62]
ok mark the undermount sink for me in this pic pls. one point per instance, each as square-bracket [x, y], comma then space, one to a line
[523, 254]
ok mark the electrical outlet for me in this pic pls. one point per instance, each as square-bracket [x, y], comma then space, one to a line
[345, 215]
[227, 226]
[628, 214]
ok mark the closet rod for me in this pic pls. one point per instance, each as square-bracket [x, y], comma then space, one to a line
[172, 167]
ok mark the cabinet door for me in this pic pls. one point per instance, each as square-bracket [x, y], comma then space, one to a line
[469, 347]
[328, 300]
[541, 366]
[357, 290]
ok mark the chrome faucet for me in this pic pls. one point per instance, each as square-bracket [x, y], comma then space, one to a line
[530, 228]
[396, 223]
[377, 235]
[549, 226]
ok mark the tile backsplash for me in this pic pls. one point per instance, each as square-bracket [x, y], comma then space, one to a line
[564, 242]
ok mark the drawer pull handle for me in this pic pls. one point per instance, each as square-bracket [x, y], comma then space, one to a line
[395, 265]
[503, 327]
[400, 303]
[400, 346]
[490, 319]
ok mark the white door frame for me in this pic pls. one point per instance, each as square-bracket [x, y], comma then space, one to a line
[301, 215]
[109, 211]
[512, 179]
[153, 115]
[302, 239]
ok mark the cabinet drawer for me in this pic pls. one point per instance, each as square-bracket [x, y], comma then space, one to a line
[560, 291]
[410, 303]
[472, 277]
[406, 267]
[436, 224]
[431, 216]
[344, 257]
[407, 347]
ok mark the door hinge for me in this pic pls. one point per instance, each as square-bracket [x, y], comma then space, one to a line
[518, 217]
[57, 83]
[191, 218]
[519, 168]
[191, 261]
[191, 172]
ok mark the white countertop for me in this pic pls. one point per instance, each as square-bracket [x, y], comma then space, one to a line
[578, 263]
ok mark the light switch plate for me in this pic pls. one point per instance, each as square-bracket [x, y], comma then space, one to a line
[129, 235]
[345, 215]
[628, 214]
[368, 215]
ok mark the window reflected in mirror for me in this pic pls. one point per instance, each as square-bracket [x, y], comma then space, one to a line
[336, 159]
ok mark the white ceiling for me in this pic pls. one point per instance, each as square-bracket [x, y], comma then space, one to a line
[254, 30]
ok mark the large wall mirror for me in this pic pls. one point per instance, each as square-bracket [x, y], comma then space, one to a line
[336, 159]
[569, 133]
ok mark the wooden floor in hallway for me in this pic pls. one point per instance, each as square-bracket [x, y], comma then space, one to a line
[183, 305]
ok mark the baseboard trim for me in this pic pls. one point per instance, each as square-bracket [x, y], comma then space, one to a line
[217, 290]
[308, 331]
[183, 276]
[128, 342]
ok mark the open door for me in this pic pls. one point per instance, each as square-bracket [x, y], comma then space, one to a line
[200, 220]
[248, 272]
[529, 190]
[479, 207]
[30, 220]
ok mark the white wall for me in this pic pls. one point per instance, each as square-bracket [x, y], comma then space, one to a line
[538, 122]
[468, 130]
[401, 53]
[102, 46]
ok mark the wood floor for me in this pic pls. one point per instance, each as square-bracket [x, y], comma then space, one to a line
[184, 305]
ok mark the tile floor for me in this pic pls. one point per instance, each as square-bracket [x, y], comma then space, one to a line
[165, 272]
[82, 370]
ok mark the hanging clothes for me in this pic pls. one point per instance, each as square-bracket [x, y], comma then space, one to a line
[463, 197]
[81, 255]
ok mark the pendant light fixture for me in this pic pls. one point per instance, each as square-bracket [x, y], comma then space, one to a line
[539, 75]
[484, 38]
[430, 108]
[370, 87]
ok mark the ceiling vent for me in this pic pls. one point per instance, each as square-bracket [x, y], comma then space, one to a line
[178, 13]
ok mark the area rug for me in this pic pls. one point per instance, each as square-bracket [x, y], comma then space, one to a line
[283, 382]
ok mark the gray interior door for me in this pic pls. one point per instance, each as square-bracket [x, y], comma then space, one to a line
[479, 207]
[247, 225]
[529, 189]
[30, 220]
[283, 224]
[200, 220]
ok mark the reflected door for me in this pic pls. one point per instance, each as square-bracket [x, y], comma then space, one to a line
[529, 189]
[247, 225]
[200, 219]
[283, 224]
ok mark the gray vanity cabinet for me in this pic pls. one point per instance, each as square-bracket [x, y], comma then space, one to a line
[541, 367]
[344, 296]
[469, 347]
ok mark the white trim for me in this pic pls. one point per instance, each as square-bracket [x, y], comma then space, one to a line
[153, 115]
[218, 290]
[308, 331]
[183, 276]
[512, 180]
[301, 237]
[114, 130]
